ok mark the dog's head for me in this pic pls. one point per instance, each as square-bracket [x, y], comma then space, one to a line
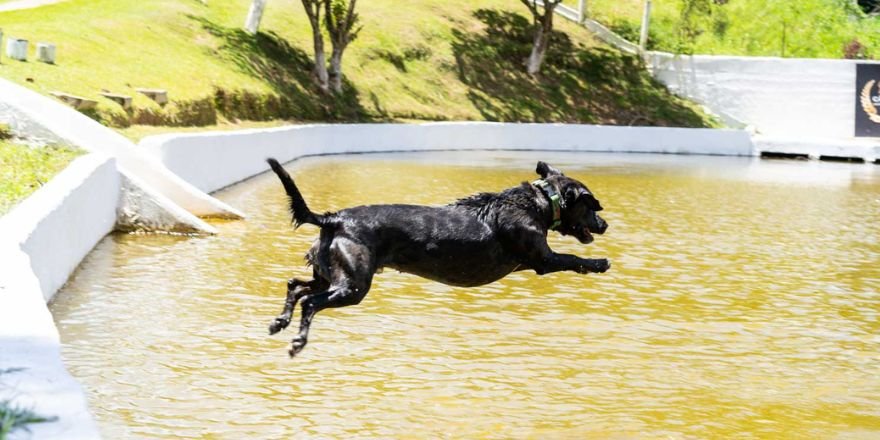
[579, 207]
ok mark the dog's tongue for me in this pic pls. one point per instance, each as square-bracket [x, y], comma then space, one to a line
[588, 237]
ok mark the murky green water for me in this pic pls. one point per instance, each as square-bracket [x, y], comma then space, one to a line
[743, 302]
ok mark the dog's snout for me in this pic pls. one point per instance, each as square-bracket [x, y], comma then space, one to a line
[602, 225]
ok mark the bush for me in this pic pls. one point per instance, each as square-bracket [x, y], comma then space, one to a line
[5, 132]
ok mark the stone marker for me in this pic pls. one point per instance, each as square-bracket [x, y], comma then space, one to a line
[123, 100]
[46, 52]
[77, 102]
[17, 49]
[158, 95]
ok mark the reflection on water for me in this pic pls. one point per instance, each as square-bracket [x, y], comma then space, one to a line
[742, 302]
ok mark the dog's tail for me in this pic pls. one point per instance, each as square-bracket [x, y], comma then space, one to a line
[298, 208]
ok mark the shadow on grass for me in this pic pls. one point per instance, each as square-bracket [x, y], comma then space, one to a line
[288, 70]
[577, 84]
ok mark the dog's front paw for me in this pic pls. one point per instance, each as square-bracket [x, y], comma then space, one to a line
[280, 323]
[602, 265]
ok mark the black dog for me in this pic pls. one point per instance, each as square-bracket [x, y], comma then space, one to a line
[474, 241]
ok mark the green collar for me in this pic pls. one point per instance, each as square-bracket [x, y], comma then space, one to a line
[556, 201]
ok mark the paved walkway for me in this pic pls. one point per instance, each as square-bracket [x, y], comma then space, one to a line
[26, 4]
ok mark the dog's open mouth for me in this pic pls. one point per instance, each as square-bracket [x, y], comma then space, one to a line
[584, 235]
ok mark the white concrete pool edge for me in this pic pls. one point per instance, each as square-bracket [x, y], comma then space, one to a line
[213, 160]
[44, 239]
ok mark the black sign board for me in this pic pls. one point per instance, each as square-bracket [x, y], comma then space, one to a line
[868, 100]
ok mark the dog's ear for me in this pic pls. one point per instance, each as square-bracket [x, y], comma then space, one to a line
[573, 195]
[592, 203]
[545, 170]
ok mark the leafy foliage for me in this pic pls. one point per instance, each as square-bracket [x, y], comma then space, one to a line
[789, 28]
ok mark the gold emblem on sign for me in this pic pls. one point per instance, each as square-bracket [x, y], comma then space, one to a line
[867, 105]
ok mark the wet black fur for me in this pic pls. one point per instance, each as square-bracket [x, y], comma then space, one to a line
[473, 241]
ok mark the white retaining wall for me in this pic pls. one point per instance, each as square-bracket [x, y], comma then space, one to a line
[795, 98]
[211, 161]
[43, 240]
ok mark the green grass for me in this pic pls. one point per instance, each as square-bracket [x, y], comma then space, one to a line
[14, 416]
[425, 60]
[790, 28]
[24, 170]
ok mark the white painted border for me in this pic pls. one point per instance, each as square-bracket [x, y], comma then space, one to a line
[214, 160]
[43, 240]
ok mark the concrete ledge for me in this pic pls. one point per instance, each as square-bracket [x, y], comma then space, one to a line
[44, 239]
[211, 161]
[60, 223]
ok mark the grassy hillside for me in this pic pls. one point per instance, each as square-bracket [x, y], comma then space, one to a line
[24, 170]
[425, 60]
[790, 28]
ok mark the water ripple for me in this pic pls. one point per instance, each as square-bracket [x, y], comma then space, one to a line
[739, 305]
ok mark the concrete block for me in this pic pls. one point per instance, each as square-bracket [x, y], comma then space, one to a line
[77, 102]
[123, 100]
[46, 53]
[158, 95]
[17, 48]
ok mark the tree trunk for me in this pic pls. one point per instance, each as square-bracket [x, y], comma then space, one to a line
[539, 49]
[336, 71]
[543, 21]
[255, 14]
[313, 11]
[340, 20]
[321, 75]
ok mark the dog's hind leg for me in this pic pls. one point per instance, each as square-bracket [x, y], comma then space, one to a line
[296, 289]
[312, 304]
[351, 269]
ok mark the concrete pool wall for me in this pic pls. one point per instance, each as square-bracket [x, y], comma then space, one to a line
[48, 235]
[213, 160]
[44, 239]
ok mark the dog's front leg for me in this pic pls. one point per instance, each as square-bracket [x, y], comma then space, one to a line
[543, 260]
[561, 262]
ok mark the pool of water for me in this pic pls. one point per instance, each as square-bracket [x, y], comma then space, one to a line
[743, 301]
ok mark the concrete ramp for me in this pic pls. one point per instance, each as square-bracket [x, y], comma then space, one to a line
[77, 129]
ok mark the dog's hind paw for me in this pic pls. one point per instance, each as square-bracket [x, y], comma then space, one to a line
[278, 324]
[296, 346]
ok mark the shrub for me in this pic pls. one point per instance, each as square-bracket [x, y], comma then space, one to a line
[5, 132]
